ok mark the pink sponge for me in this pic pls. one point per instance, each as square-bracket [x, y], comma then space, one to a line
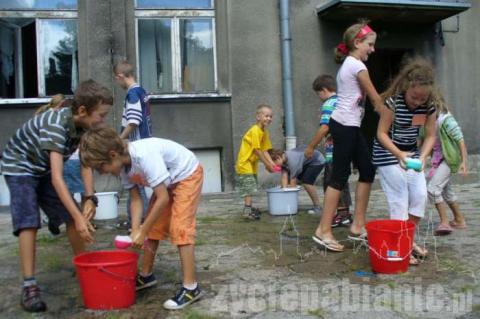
[123, 242]
[277, 168]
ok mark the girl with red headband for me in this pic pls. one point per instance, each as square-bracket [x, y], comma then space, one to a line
[354, 84]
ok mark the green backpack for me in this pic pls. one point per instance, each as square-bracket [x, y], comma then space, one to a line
[450, 149]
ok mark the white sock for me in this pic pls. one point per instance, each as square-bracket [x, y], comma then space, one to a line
[191, 286]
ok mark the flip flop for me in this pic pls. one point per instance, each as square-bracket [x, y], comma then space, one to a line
[358, 237]
[419, 252]
[455, 225]
[413, 261]
[443, 230]
[329, 244]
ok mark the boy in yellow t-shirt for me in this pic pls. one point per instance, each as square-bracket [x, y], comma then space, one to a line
[254, 146]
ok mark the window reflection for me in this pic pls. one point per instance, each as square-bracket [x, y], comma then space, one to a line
[197, 60]
[38, 4]
[155, 50]
[174, 4]
[60, 56]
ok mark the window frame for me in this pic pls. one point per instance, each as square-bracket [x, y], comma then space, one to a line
[175, 16]
[63, 14]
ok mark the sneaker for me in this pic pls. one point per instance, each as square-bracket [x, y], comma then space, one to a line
[31, 300]
[347, 219]
[183, 298]
[257, 211]
[342, 219]
[251, 213]
[143, 282]
[315, 210]
[54, 229]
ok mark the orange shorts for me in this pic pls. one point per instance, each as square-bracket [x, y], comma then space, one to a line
[177, 220]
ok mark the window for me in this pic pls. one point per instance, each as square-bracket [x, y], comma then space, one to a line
[38, 4]
[38, 49]
[174, 4]
[176, 48]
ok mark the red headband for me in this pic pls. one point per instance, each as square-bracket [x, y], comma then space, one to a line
[342, 47]
[363, 32]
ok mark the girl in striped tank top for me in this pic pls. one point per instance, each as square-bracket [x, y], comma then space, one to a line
[409, 101]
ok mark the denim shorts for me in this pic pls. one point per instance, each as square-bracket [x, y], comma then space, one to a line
[27, 195]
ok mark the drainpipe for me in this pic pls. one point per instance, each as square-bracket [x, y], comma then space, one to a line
[291, 139]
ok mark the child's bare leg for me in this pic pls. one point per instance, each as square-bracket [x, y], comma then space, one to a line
[459, 219]
[362, 195]
[77, 243]
[247, 200]
[442, 212]
[149, 256]
[312, 192]
[26, 243]
[187, 258]
[421, 251]
[324, 229]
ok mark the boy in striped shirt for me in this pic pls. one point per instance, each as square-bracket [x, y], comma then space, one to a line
[32, 163]
[325, 87]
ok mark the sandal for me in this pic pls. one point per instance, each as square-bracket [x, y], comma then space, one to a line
[358, 237]
[443, 230]
[413, 261]
[419, 252]
[330, 244]
[456, 225]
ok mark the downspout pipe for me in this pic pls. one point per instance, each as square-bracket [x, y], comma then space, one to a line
[287, 91]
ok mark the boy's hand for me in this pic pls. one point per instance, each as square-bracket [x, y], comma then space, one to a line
[308, 152]
[84, 229]
[138, 238]
[89, 209]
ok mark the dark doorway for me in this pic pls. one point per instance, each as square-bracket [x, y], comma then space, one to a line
[382, 66]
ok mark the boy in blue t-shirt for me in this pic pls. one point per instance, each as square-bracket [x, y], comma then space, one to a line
[136, 123]
[325, 87]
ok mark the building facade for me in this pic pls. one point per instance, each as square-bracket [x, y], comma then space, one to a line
[208, 63]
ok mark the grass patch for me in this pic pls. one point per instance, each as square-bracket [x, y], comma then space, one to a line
[170, 275]
[319, 313]
[53, 263]
[193, 314]
[47, 239]
[209, 219]
[466, 288]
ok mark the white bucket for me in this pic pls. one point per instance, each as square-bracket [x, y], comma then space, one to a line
[4, 192]
[107, 206]
[282, 201]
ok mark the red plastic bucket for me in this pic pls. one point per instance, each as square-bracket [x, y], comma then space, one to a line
[390, 245]
[107, 278]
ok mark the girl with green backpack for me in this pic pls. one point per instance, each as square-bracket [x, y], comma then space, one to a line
[449, 155]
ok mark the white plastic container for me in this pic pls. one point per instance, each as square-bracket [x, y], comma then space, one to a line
[283, 201]
[4, 192]
[107, 206]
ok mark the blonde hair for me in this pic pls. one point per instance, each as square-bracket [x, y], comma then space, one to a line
[56, 101]
[416, 72]
[438, 100]
[263, 106]
[349, 37]
[124, 68]
[96, 145]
